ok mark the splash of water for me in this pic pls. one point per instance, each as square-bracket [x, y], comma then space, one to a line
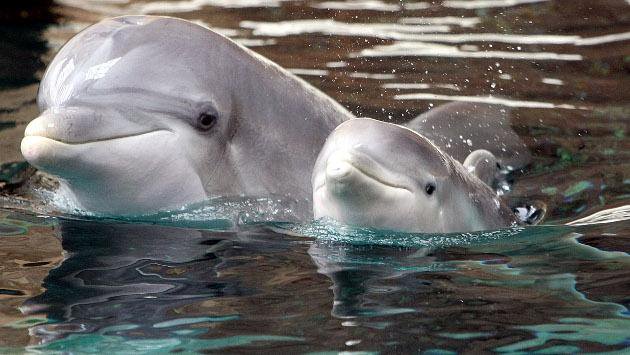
[220, 213]
[330, 230]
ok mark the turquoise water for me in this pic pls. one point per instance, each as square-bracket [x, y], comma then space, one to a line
[267, 286]
[244, 276]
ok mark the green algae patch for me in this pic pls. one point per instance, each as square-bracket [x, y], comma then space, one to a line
[188, 321]
[620, 133]
[10, 230]
[464, 336]
[26, 323]
[438, 352]
[578, 188]
[102, 344]
[604, 331]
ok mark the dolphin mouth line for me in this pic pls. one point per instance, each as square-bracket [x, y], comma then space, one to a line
[100, 139]
[371, 176]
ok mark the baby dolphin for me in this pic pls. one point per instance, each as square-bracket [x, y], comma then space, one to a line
[381, 175]
[143, 113]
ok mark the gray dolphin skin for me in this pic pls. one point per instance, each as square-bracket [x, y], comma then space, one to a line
[459, 128]
[144, 113]
[484, 165]
[381, 175]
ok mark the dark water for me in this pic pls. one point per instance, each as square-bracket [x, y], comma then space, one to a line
[186, 284]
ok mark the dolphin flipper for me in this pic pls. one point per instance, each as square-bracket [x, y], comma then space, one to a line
[459, 128]
[531, 214]
[484, 165]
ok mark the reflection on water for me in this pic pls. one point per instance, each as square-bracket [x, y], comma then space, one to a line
[133, 274]
[213, 278]
[481, 4]
[135, 287]
[20, 29]
[484, 99]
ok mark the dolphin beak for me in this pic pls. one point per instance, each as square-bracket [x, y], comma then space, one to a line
[339, 166]
[42, 126]
[58, 137]
[36, 146]
[74, 125]
[350, 171]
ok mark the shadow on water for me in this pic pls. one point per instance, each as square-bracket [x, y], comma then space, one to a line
[137, 287]
[498, 284]
[184, 285]
[22, 45]
[136, 274]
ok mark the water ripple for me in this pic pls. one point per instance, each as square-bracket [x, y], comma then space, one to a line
[420, 49]
[484, 4]
[486, 99]
[333, 27]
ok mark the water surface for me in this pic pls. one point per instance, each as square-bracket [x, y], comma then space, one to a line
[192, 281]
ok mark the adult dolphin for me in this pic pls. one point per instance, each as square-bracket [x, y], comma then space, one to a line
[460, 128]
[141, 113]
[381, 175]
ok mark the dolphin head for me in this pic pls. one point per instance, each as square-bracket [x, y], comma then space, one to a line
[377, 174]
[136, 113]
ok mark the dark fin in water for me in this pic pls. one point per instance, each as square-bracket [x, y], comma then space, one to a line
[459, 128]
[483, 165]
[487, 168]
[531, 214]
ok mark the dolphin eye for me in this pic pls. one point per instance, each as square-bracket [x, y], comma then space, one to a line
[205, 121]
[429, 188]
